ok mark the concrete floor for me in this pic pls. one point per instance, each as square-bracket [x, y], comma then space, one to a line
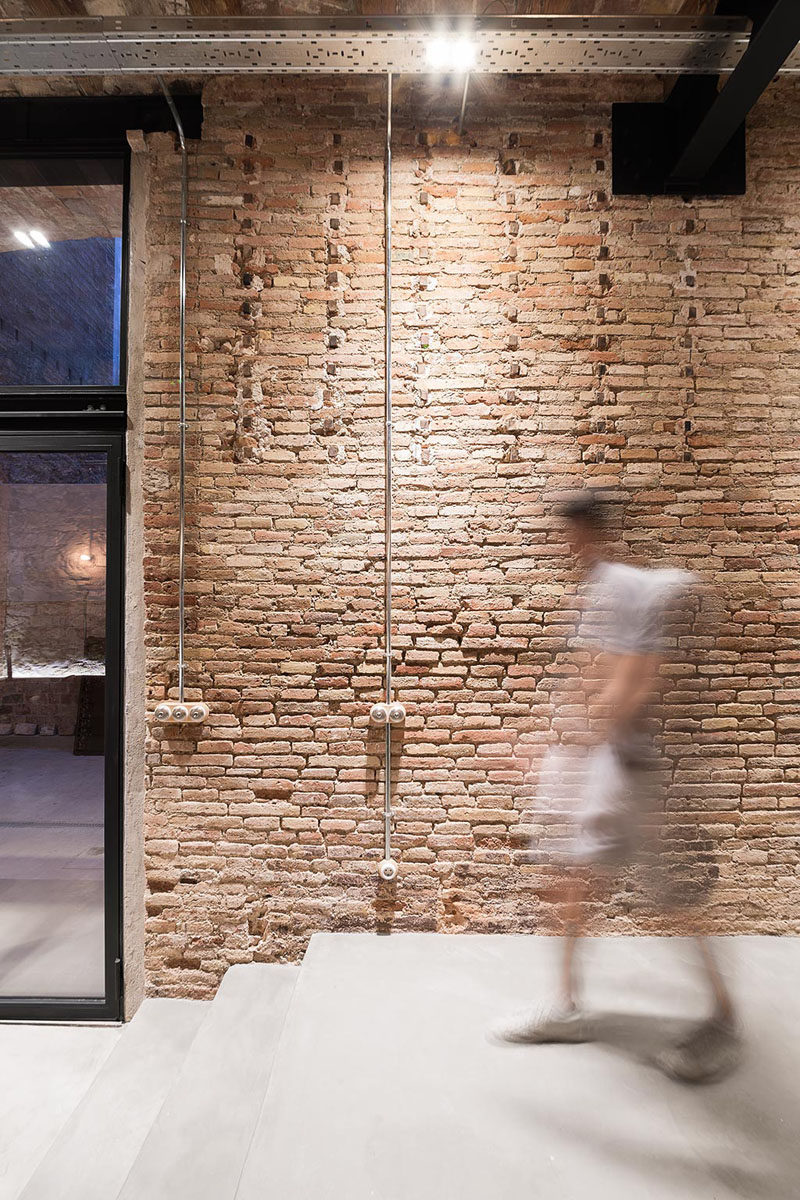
[51, 869]
[46, 1071]
[386, 1087]
[368, 1075]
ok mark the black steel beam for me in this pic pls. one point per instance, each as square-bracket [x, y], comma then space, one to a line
[770, 45]
[94, 125]
[647, 140]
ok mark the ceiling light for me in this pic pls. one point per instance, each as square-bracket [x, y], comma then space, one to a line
[451, 55]
[25, 238]
[39, 238]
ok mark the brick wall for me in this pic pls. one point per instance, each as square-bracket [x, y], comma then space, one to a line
[52, 601]
[547, 335]
[40, 706]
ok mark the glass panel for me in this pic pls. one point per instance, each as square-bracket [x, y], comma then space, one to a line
[60, 283]
[52, 738]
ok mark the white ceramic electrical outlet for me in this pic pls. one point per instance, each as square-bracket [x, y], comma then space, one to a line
[388, 714]
[387, 869]
[178, 712]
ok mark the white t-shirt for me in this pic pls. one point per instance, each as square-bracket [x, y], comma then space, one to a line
[602, 791]
[624, 607]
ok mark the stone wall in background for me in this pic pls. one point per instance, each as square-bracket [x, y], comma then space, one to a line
[52, 590]
[547, 335]
[39, 706]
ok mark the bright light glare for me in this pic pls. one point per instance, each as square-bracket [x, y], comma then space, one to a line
[451, 54]
[25, 239]
[437, 56]
[463, 55]
[40, 239]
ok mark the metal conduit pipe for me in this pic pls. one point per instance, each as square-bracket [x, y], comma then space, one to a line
[388, 867]
[181, 387]
[463, 105]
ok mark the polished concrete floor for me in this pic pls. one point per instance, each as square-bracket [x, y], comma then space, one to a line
[368, 1075]
[51, 869]
[46, 1071]
[385, 1085]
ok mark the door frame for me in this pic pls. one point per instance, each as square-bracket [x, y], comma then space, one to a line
[68, 1008]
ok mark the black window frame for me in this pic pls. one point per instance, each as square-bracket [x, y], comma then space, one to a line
[87, 417]
[75, 417]
[84, 127]
[77, 1008]
[80, 398]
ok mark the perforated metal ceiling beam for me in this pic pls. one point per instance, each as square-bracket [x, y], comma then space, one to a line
[502, 45]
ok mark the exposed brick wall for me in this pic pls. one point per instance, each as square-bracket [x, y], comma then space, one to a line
[52, 602]
[547, 335]
[43, 706]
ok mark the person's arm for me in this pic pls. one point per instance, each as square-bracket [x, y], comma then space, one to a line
[630, 686]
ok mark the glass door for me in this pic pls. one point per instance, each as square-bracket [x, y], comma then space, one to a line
[60, 591]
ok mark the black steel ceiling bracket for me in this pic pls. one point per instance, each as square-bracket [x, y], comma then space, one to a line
[94, 125]
[694, 142]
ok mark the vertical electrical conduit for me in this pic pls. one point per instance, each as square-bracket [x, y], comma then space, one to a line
[388, 867]
[179, 712]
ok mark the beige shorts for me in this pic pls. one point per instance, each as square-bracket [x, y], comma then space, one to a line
[595, 798]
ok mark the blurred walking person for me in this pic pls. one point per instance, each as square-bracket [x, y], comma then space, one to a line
[607, 786]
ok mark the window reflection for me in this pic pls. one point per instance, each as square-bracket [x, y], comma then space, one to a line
[60, 284]
[52, 723]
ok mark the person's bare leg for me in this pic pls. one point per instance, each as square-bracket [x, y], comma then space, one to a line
[713, 1047]
[574, 915]
[723, 1003]
[563, 1022]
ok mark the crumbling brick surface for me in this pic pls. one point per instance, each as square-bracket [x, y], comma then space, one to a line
[547, 335]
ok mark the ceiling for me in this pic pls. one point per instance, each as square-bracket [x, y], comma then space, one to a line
[62, 213]
[115, 84]
[330, 8]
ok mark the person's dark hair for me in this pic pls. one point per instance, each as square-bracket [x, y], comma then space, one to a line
[586, 507]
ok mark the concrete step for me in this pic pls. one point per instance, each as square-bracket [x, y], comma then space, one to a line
[92, 1155]
[47, 1070]
[198, 1144]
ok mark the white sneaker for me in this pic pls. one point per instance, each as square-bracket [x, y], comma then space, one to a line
[544, 1025]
